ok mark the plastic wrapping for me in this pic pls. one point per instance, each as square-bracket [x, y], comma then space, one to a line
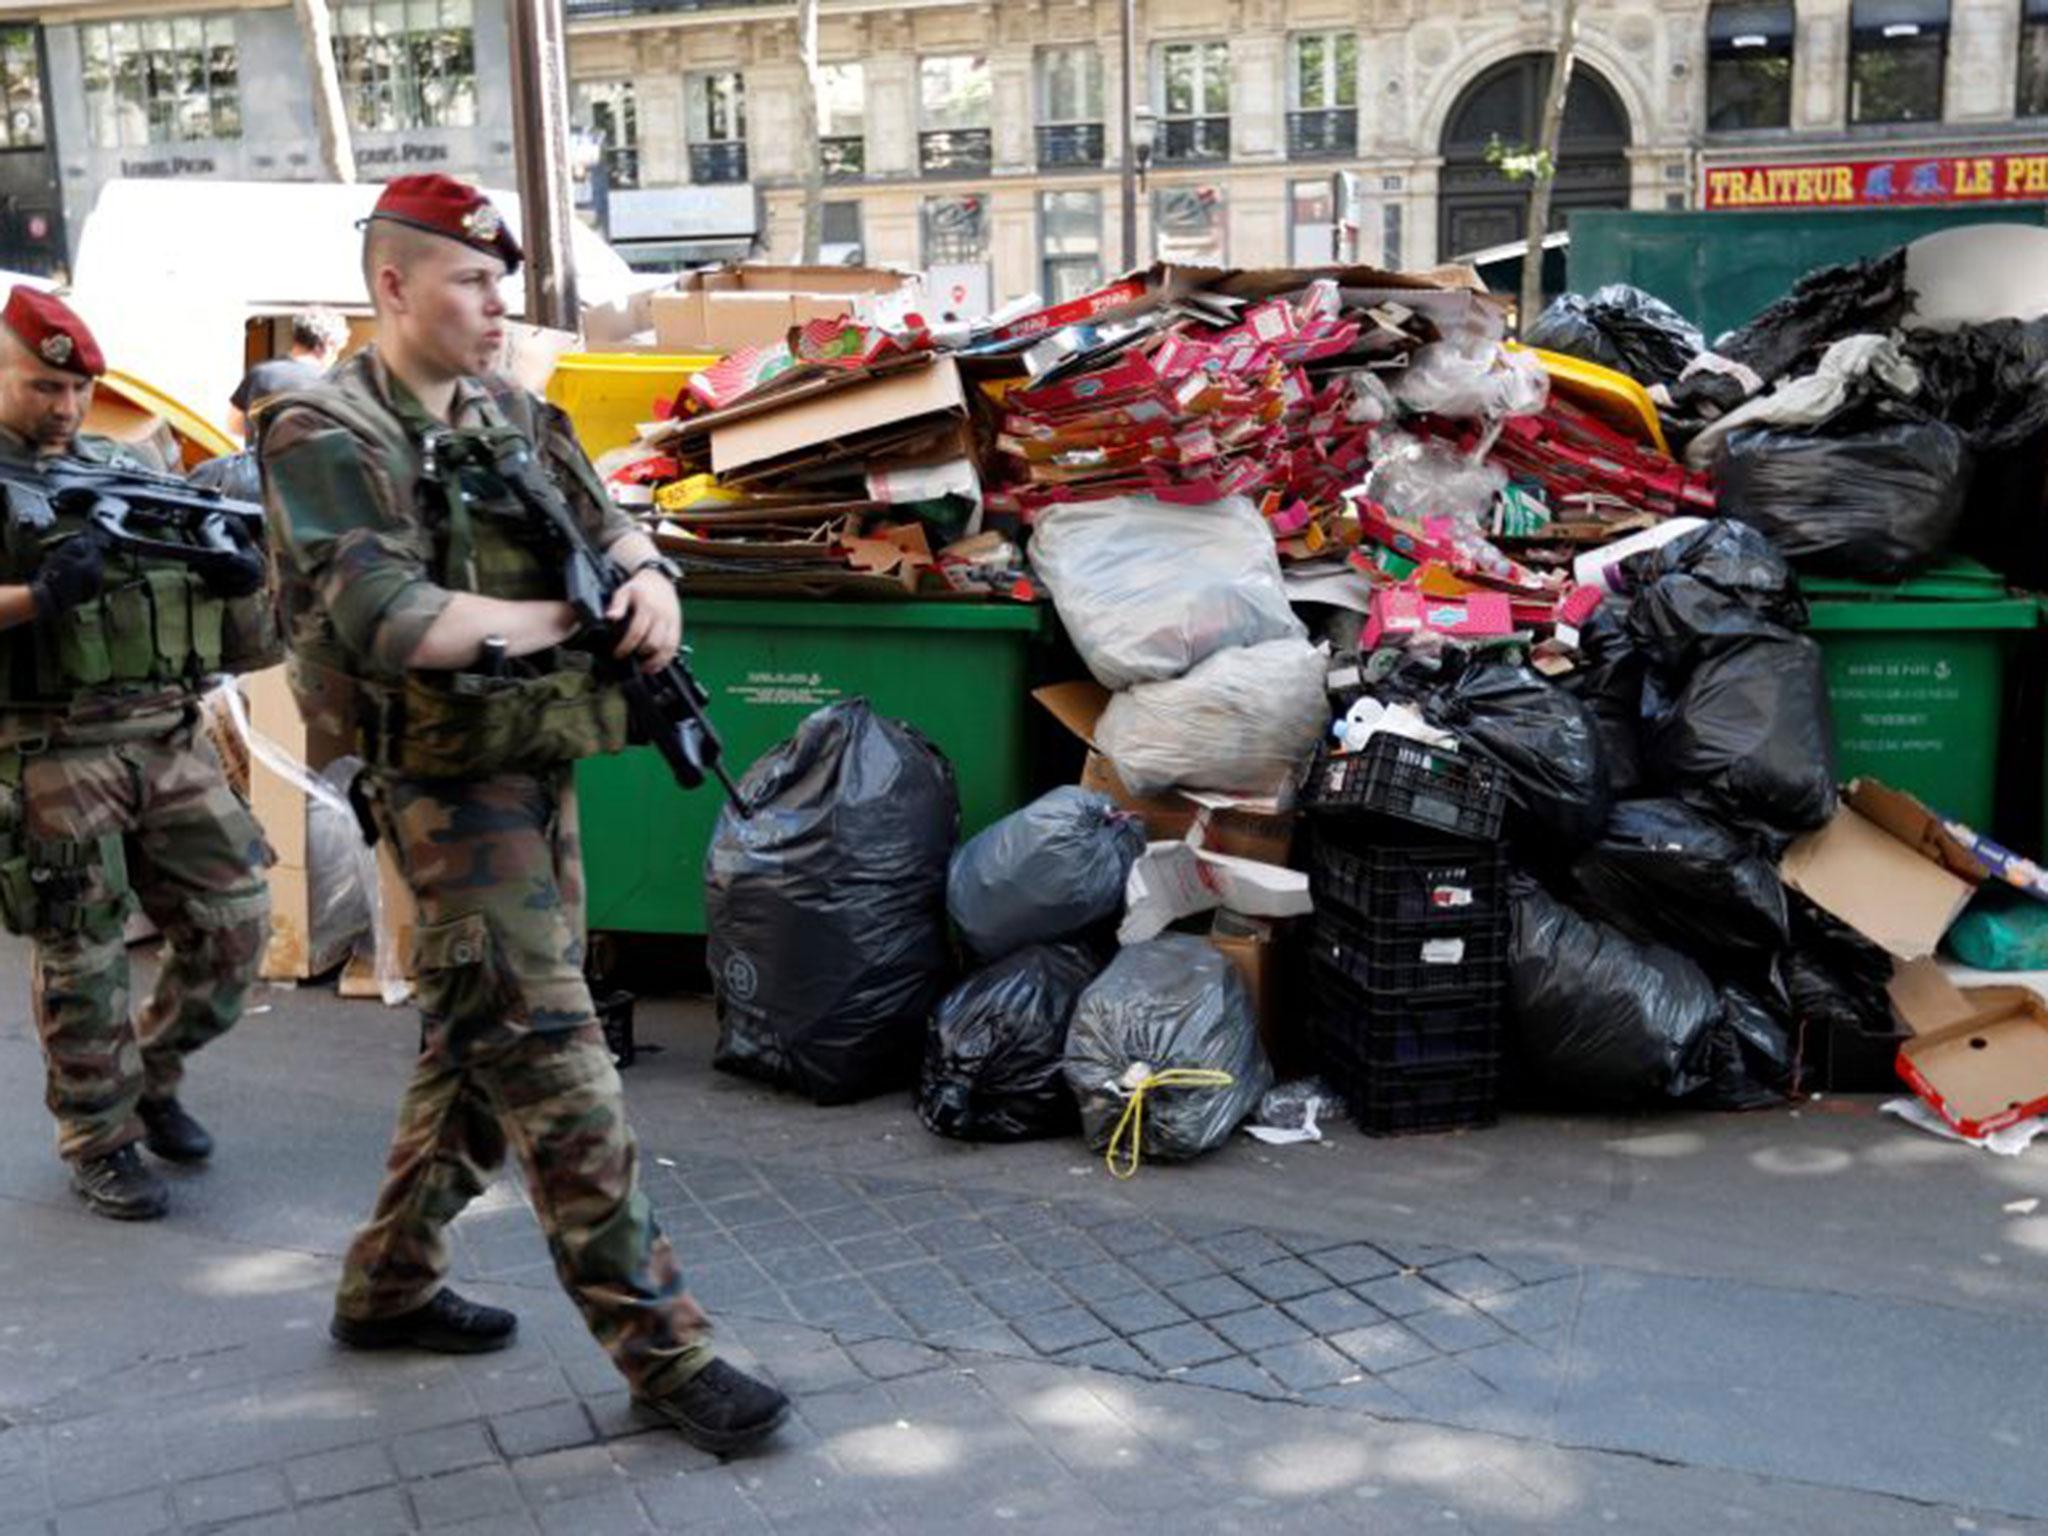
[1852, 369]
[232, 474]
[1545, 742]
[1051, 871]
[1242, 722]
[1619, 327]
[1171, 1002]
[1423, 477]
[1599, 1018]
[1147, 588]
[826, 908]
[1871, 506]
[337, 905]
[1482, 382]
[1663, 873]
[2002, 931]
[994, 1063]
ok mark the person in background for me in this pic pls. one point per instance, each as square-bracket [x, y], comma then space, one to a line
[318, 335]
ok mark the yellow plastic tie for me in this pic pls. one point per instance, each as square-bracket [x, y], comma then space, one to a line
[1132, 1121]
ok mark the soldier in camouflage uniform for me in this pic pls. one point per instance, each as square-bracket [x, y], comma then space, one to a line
[427, 628]
[110, 794]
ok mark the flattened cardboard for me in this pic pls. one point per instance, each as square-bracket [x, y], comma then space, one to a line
[1886, 868]
[816, 427]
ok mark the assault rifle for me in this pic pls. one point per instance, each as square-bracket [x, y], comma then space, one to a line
[667, 707]
[156, 516]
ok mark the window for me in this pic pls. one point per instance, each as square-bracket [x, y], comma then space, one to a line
[2033, 97]
[163, 81]
[605, 107]
[1390, 236]
[1187, 226]
[1069, 107]
[22, 77]
[1311, 222]
[406, 64]
[953, 101]
[1749, 65]
[715, 121]
[955, 231]
[1070, 230]
[843, 119]
[839, 235]
[1322, 95]
[1194, 84]
[1898, 50]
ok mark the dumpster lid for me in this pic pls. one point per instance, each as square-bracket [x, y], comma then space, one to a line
[1954, 578]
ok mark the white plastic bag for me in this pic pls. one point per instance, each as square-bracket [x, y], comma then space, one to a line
[1147, 588]
[1242, 722]
[1482, 382]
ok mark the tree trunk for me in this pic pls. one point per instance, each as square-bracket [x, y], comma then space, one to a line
[810, 149]
[316, 33]
[1550, 133]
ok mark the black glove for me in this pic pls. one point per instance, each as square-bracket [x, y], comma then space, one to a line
[234, 565]
[69, 575]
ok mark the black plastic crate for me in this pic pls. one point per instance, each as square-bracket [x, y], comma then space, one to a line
[1412, 960]
[1414, 1101]
[1441, 883]
[1452, 794]
[1353, 1031]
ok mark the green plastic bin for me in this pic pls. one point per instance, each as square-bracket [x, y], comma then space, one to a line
[1917, 680]
[956, 671]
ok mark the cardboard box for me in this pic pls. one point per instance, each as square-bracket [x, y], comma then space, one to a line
[1253, 954]
[1978, 1056]
[903, 403]
[1262, 831]
[727, 308]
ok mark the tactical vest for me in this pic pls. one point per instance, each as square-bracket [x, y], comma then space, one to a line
[552, 710]
[155, 624]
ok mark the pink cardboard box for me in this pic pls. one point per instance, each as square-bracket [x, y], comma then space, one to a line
[1399, 612]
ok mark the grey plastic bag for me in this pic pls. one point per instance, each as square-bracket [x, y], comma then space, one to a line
[1051, 871]
[1147, 588]
[1242, 722]
[1170, 1002]
[337, 905]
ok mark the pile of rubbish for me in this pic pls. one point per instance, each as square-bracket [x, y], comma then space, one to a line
[1452, 740]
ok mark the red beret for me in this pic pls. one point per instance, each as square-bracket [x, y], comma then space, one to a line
[441, 205]
[52, 330]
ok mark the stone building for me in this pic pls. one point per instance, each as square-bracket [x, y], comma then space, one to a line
[967, 136]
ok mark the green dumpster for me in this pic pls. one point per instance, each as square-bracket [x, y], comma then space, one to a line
[956, 671]
[1917, 679]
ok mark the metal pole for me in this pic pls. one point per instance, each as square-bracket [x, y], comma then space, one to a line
[540, 111]
[1130, 117]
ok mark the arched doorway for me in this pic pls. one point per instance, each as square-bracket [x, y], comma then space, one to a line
[1477, 206]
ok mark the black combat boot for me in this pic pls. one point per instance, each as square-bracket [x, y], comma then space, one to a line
[722, 1409]
[118, 1185]
[447, 1325]
[172, 1134]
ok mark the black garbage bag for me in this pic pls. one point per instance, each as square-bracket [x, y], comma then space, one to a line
[826, 908]
[1055, 869]
[1877, 505]
[1725, 557]
[1664, 873]
[232, 474]
[1746, 735]
[1545, 741]
[1597, 1017]
[1749, 1059]
[994, 1057]
[1839, 982]
[1619, 327]
[1991, 383]
[1170, 1002]
[1609, 682]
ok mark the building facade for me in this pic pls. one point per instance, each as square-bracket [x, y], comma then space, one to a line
[130, 89]
[985, 138]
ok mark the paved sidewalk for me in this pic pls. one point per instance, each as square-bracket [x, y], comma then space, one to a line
[1817, 1322]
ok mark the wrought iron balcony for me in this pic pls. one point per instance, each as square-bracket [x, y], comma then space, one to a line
[1330, 132]
[1066, 146]
[845, 157]
[579, 10]
[723, 160]
[1185, 140]
[956, 151]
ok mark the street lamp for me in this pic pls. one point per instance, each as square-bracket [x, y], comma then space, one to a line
[1144, 136]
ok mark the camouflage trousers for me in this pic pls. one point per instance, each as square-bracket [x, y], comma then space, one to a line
[140, 813]
[512, 1058]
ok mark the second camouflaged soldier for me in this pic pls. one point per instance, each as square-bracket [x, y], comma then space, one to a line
[427, 627]
[110, 791]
